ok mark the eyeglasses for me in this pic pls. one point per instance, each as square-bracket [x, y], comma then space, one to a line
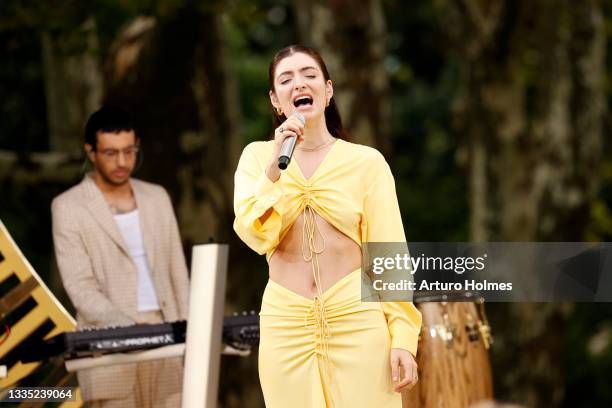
[113, 154]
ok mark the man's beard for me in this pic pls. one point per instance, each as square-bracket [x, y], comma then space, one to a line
[109, 180]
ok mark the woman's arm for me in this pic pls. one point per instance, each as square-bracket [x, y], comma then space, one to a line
[256, 198]
[384, 225]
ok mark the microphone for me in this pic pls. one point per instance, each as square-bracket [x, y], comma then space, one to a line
[288, 145]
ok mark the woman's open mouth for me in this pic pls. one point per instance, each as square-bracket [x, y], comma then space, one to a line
[302, 101]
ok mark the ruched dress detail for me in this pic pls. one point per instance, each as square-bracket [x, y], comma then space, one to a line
[333, 350]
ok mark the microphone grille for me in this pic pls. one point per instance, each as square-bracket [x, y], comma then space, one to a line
[299, 116]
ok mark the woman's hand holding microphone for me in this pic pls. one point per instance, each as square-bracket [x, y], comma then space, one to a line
[293, 126]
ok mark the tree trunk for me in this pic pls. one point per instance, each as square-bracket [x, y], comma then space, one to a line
[531, 109]
[174, 74]
[351, 39]
[73, 85]
[175, 77]
[209, 182]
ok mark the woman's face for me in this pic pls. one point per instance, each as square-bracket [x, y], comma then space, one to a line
[299, 85]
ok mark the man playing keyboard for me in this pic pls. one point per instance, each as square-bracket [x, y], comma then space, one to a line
[121, 261]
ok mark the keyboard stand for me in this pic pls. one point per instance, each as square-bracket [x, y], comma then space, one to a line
[174, 350]
[203, 346]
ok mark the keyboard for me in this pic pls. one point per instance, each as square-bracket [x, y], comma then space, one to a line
[240, 331]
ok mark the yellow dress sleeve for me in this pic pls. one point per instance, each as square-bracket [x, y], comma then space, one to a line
[384, 224]
[254, 195]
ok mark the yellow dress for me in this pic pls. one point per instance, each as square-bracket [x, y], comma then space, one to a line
[333, 350]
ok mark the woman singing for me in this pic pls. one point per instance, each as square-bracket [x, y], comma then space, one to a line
[320, 345]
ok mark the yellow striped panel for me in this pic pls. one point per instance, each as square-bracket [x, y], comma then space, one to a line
[5, 269]
[18, 372]
[48, 308]
[23, 329]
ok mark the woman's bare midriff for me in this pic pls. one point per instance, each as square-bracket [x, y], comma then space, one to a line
[340, 257]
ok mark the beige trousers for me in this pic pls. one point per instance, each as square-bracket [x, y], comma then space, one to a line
[158, 382]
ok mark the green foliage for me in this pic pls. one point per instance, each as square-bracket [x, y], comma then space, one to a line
[600, 226]
[588, 360]
[431, 186]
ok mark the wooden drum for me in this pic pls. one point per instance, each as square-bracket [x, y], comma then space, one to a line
[453, 357]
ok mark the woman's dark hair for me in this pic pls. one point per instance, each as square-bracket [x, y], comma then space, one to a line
[107, 119]
[332, 114]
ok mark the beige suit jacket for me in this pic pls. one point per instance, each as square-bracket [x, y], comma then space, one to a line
[100, 277]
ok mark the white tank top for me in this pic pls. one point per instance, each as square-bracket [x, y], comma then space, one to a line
[129, 226]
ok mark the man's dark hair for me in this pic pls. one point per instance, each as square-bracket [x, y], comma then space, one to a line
[107, 119]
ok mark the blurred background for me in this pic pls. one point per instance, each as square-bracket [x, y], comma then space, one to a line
[493, 115]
